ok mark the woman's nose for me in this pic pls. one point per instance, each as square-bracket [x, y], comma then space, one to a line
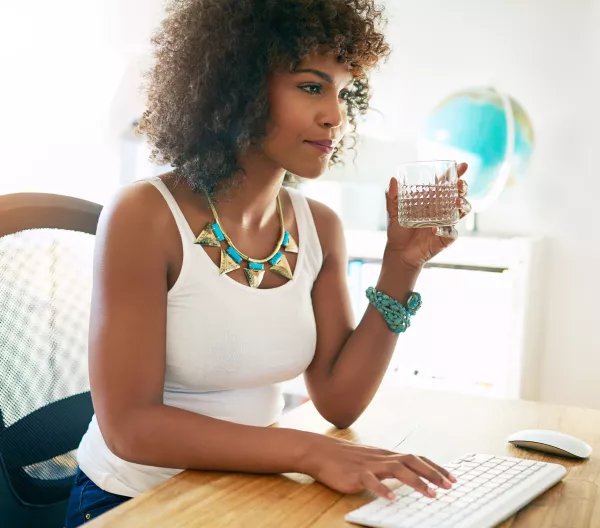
[333, 116]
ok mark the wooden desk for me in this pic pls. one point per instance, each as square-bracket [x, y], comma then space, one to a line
[437, 425]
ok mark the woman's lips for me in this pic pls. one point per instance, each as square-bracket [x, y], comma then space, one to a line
[322, 148]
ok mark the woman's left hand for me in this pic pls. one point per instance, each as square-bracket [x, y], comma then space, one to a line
[415, 246]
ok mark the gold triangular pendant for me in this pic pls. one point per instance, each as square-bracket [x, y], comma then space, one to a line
[254, 276]
[283, 268]
[227, 263]
[207, 237]
[291, 247]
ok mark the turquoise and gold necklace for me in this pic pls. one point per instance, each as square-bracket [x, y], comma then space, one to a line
[214, 234]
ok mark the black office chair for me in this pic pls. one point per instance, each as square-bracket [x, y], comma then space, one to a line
[46, 249]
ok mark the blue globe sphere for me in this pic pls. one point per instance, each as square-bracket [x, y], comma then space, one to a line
[488, 130]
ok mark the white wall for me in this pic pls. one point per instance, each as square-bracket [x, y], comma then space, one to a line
[63, 102]
[546, 54]
[571, 362]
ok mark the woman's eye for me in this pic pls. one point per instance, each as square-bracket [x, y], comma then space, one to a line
[312, 89]
[317, 89]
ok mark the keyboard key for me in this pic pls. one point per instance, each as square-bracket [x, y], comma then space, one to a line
[403, 491]
[436, 506]
[448, 499]
[381, 514]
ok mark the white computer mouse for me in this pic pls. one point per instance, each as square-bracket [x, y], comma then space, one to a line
[551, 442]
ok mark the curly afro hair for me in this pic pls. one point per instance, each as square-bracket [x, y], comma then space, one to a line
[206, 91]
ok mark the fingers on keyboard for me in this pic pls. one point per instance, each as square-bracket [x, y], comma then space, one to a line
[406, 475]
[439, 469]
[372, 483]
[425, 470]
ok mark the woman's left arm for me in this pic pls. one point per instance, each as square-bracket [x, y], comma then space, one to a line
[350, 362]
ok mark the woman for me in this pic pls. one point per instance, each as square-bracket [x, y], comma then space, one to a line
[214, 283]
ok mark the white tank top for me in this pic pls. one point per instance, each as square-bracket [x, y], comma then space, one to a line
[228, 347]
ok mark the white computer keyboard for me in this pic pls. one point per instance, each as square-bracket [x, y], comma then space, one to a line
[488, 490]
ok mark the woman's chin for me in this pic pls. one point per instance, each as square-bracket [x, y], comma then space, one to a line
[310, 173]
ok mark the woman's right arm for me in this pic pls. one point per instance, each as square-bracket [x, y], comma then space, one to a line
[127, 367]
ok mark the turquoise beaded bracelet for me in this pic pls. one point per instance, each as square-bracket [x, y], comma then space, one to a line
[396, 316]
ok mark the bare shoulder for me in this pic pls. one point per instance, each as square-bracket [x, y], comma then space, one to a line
[329, 227]
[137, 224]
[134, 205]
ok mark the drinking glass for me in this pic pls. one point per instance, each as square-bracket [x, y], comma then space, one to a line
[428, 195]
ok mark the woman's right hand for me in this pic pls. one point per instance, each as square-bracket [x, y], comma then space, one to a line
[348, 467]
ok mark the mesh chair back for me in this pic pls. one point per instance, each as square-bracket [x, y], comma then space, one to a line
[46, 252]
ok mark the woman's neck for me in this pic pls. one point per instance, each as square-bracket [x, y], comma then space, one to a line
[252, 201]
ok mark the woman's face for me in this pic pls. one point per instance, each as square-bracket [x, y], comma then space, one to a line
[308, 115]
